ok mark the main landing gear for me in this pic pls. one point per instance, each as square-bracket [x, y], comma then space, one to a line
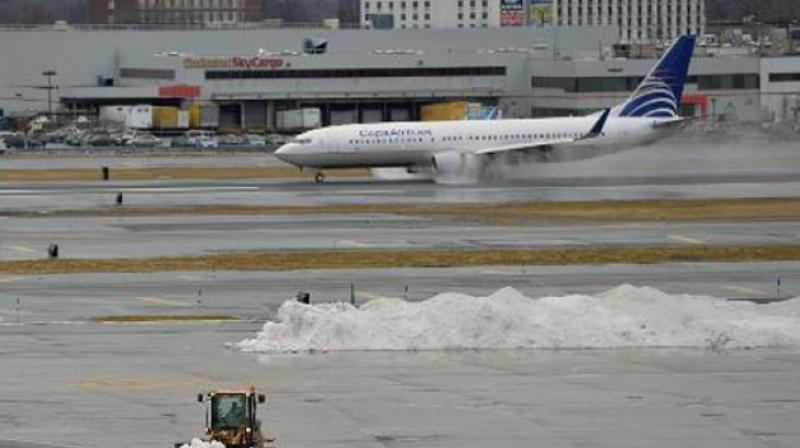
[319, 177]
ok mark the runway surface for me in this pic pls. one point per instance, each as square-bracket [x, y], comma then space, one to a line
[152, 236]
[689, 167]
[74, 298]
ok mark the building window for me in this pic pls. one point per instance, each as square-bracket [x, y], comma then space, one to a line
[427, 16]
[728, 82]
[415, 16]
[485, 15]
[428, 72]
[415, 5]
[461, 16]
[784, 77]
[366, 5]
[472, 15]
[472, 3]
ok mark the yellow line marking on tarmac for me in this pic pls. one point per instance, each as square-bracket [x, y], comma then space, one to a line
[745, 290]
[162, 302]
[685, 239]
[24, 249]
[137, 383]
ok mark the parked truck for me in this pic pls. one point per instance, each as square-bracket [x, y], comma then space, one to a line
[298, 120]
[146, 116]
[455, 110]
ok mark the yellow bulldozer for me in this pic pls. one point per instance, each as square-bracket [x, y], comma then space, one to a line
[231, 418]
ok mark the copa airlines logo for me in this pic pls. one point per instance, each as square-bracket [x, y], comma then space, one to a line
[391, 133]
[653, 99]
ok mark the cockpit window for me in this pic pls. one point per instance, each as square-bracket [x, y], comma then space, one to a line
[301, 141]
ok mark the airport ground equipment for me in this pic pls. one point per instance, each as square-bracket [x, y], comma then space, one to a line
[231, 418]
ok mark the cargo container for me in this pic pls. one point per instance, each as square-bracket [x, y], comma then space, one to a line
[183, 119]
[203, 116]
[296, 120]
[451, 110]
[165, 117]
[140, 117]
[114, 114]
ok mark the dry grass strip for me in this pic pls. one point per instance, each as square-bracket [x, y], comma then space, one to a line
[214, 173]
[751, 209]
[361, 259]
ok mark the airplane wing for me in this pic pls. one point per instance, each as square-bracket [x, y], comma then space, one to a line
[596, 130]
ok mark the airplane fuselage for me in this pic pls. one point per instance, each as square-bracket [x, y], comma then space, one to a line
[413, 144]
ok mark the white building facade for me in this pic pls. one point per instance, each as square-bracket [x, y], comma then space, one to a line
[639, 21]
[420, 14]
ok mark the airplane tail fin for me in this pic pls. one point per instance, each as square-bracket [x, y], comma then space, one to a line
[659, 94]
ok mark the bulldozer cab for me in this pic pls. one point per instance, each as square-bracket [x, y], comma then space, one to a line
[229, 411]
[231, 417]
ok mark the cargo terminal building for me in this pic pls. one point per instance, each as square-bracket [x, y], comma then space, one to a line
[251, 75]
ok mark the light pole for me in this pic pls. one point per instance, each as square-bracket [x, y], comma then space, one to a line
[49, 87]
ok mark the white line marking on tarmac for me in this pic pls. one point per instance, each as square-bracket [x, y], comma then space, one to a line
[24, 249]
[352, 243]
[10, 279]
[183, 189]
[191, 278]
[685, 239]
[369, 295]
[162, 302]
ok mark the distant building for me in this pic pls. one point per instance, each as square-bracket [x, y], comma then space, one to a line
[174, 12]
[639, 21]
[411, 14]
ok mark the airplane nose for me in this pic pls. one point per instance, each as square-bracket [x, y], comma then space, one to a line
[286, 154]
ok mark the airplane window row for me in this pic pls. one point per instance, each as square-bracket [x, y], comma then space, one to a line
[546, 136]
[385, 140]
[301, 141]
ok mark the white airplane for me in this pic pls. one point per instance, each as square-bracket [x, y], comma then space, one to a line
[451, 148]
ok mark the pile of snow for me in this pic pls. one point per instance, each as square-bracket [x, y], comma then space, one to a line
[625, 316]
[197, 443]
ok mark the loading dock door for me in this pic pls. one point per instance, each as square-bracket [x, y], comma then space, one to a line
[230, 116]
[371, 114]
[344, 116]
[399, 113]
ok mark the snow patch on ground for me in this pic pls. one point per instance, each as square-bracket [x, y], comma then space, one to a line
[197, 443]
[625, 316]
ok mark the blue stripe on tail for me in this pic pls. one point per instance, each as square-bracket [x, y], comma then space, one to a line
[662, 89]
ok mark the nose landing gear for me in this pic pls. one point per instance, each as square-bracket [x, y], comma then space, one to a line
[319, 177]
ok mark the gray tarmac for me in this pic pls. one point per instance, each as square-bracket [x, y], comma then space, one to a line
[130, 237]
[74, 298]
[135, 386]
[67, 381]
